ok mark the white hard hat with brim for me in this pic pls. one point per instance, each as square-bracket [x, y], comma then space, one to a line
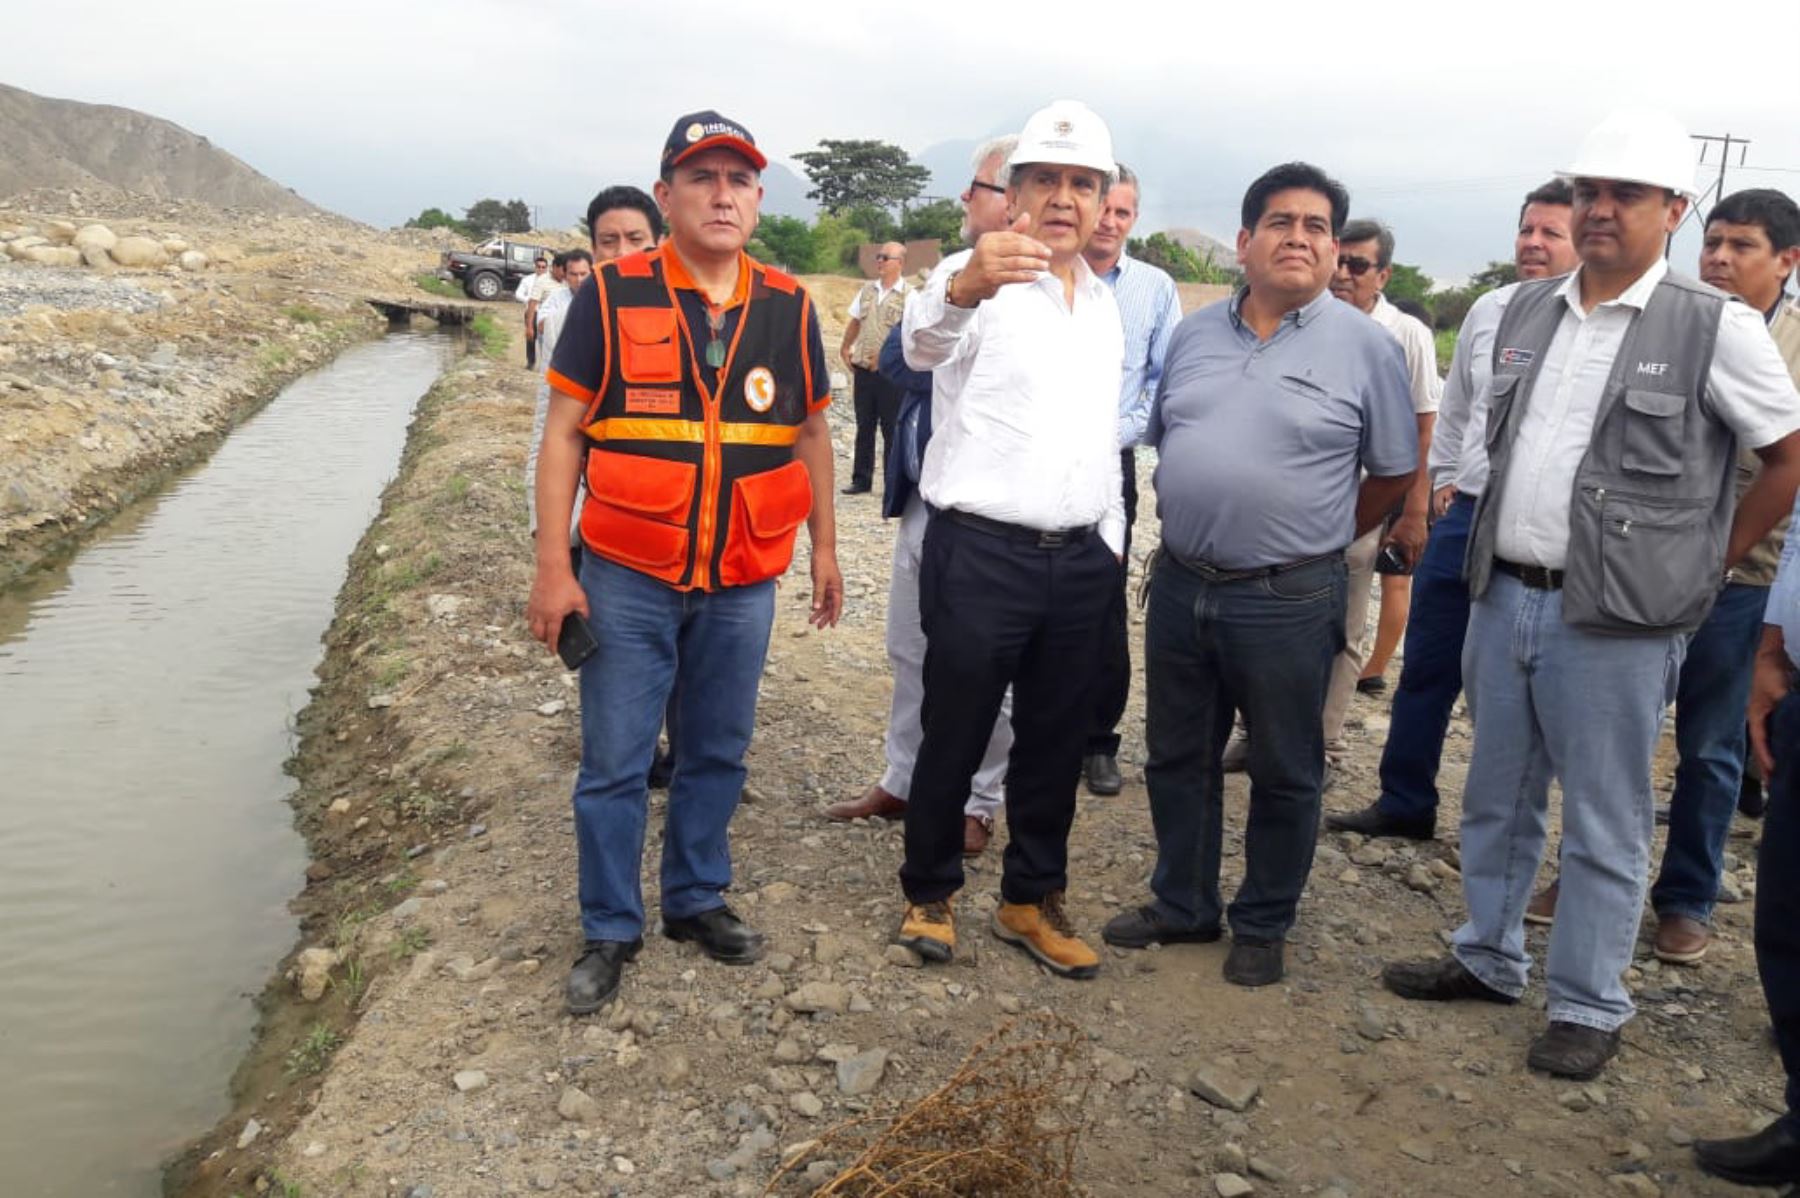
[1065, 133]
[1637, 146]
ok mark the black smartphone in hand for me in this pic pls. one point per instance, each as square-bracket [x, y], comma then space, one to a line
[575, 640]
[1391, 561]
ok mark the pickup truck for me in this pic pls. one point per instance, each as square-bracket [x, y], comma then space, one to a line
[492, 267]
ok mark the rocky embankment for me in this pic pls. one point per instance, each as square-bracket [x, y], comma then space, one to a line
[135, 332]
[418, 1044]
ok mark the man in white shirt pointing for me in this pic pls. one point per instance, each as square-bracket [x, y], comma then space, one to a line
[1022, 553]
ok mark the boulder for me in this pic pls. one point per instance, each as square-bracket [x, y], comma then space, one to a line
[192, 260]
[175, 247]
[139, 251]
[17, 247]
[93, 255]
[95, 235]
[59, 232]
[312, 972]
[53, 255]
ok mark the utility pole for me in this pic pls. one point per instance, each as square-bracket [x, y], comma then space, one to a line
[1716, 190]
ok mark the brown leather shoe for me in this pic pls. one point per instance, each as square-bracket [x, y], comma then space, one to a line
[977, 830]
[876, 804]
[1680, 940]
[1541, 910]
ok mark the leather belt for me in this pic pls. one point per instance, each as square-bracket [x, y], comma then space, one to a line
[1037, 538]
[1212, 573]
[1538, 578]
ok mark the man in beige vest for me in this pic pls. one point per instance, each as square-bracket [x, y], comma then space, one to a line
[877, 309]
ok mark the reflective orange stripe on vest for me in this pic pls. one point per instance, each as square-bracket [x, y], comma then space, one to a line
[624, 428]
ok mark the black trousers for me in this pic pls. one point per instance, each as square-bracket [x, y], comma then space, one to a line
[877, 403]
[1112, 686]
[530, 349]
[998, 610]
[1777, 935]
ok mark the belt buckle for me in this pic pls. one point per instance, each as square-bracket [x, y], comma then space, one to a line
[1052, 539]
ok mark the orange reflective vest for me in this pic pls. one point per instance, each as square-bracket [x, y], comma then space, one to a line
[694, 486]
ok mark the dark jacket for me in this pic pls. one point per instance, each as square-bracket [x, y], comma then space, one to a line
[914, 421]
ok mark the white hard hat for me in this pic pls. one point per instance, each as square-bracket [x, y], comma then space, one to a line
[1637, 145]
[1068, 133]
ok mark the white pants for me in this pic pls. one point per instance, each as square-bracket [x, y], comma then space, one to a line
[906, 657]
[1349, 664]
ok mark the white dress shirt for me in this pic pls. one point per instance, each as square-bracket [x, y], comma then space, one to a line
[1421, 352]
[1458, 454]
[1747, 387]
[1024, 401]
[881, 294]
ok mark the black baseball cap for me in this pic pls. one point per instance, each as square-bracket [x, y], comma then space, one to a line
[706, 130]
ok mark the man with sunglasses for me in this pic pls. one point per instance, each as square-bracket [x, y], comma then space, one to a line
[873, 314]
[1365, 264]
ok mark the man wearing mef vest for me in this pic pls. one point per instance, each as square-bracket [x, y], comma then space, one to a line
[691, 387]
[1618, 400]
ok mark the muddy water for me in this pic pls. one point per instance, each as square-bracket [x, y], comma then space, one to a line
[147, 694]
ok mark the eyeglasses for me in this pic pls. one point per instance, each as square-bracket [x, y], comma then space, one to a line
[993, 187]
[1356, 266]
[888, 258]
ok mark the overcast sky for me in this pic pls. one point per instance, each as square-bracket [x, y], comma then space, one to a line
[1438, 118]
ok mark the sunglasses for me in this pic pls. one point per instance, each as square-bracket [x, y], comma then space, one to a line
[888, 258]
[1356, 266]
[993, 187]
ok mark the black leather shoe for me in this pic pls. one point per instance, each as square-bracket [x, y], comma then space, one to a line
[1145, 926]
[720, 934]
[1253, 962]
[1102, 773]
[1373, 821]
[1572, 1050]
[1771, 1157]
[855, 489]
[597, 973]
[1444, 979]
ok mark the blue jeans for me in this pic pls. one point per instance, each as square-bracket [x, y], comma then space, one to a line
[1551, 700]
[1263, 647]
[708, 647]
[1709, 735]
[1431, 671]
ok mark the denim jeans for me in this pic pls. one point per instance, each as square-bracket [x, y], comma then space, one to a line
[1264, 647]
[1551, 700]
[708, 646]
[1709, 736]
[1431, 671]
[1778, 899]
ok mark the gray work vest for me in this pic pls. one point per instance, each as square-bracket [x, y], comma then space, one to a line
[1651, 510]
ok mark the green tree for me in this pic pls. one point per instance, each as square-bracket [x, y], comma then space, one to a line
[492, 216]
[847, 173]
[436, 218]
[1182, 263]
[1409, 282]
[788, 242]
[873, 220]
[941, 219]
[835, 244]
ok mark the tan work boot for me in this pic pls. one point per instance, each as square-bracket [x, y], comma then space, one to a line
[929, 929]
[1680, 940]
[1043, 930]
[1541, 910]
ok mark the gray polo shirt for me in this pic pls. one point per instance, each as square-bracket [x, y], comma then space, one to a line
[1260, 444]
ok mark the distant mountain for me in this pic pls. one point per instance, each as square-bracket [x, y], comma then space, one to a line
[46, 142]
[1205, 245]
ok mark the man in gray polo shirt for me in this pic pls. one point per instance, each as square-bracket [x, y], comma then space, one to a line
[1270, 406]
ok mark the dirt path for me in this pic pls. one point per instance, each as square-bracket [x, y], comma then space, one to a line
[436, 763]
